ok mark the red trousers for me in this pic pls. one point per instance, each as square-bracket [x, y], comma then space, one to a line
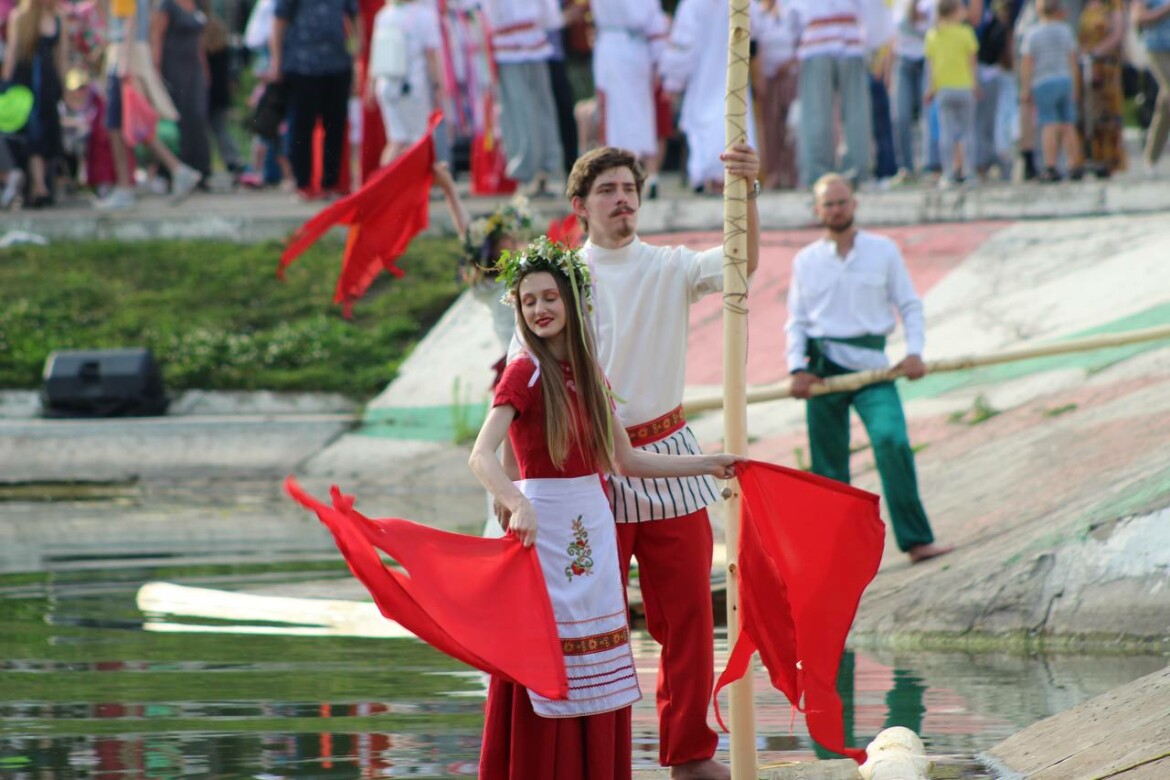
[674, 571]
[518, 744]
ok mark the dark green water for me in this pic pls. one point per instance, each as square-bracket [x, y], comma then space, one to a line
[87, 691]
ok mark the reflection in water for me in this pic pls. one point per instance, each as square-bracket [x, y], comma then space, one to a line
[85, 693]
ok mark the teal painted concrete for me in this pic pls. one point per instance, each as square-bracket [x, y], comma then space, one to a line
[448, 423]
[1093, 361]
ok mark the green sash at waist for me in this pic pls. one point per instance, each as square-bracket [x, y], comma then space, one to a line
[820, 365]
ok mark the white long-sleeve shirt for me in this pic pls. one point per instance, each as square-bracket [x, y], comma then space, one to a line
[519, 30]
[641, 306]
[851, 296]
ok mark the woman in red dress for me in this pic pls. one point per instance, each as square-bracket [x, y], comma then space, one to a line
[553, 404]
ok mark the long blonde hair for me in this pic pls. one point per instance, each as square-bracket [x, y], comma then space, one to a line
[26, 22]
[595, 433]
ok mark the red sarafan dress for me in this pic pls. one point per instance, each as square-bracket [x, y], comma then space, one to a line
[588, 736]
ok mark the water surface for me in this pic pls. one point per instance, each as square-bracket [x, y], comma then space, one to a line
[89, 689]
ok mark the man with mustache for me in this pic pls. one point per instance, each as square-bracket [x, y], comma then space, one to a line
[641, 302]
[841, 303]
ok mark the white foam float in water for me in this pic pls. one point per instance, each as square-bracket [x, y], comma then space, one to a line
[896, 754]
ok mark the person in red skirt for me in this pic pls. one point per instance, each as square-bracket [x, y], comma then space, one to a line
[554, 405]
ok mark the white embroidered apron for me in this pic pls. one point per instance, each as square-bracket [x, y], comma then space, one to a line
[576, 542]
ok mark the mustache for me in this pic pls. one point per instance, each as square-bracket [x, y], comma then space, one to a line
[620, 210]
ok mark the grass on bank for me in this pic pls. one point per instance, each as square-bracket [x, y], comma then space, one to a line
[215, 315]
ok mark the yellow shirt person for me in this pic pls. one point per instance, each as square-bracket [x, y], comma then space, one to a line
[950, 52]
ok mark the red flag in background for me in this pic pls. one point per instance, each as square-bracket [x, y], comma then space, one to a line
[566, 231]
[384, 216]
[481, 601]
[808, 547]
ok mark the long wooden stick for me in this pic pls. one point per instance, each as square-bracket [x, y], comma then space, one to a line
[850, 382]
[735, 244]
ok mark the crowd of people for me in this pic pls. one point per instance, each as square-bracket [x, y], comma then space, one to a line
[132, 96]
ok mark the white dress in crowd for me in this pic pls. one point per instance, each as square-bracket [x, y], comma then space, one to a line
[695, 64]
[630, 37]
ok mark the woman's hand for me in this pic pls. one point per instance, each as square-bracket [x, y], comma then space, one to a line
[523, 523]
[723, 466]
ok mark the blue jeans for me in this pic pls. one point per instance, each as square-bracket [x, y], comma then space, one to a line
[908, 91]
[987, 152]
[886, 164]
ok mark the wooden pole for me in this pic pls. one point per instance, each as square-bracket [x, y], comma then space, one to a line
[850, 382]
[735, 243]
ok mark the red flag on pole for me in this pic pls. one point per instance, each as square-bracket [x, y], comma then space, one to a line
[384, 216]
[566, 231]
[475, 599]
[808, 548]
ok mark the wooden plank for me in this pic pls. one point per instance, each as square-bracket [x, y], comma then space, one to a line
[1124, 733]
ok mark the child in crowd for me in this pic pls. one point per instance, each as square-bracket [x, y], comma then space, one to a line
[269, 161]
[1047, 80]
[78, 112]
[951, 48]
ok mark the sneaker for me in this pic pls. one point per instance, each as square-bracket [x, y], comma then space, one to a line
[120, 198]
[13, 186]
[186, 179]
[251, 180]
[903, 178]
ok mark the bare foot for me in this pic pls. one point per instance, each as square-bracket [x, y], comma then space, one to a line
[710, 769]
[924, 552]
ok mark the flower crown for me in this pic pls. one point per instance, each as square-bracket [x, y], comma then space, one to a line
[515, 219]
[544, 254]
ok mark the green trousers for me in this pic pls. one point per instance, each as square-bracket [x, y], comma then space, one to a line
[880, 410]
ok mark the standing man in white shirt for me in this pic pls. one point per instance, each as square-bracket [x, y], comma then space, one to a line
[841, 303]
[835, 36]
[833, 74]
[642, 296]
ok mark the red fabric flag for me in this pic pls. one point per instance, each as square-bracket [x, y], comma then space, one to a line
[384, 216]
[566, 231]
[808, 547]
[481, 601]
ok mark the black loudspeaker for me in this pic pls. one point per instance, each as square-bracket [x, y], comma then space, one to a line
[103, 383]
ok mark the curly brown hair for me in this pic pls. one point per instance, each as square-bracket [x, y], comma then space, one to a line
[596, 162]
